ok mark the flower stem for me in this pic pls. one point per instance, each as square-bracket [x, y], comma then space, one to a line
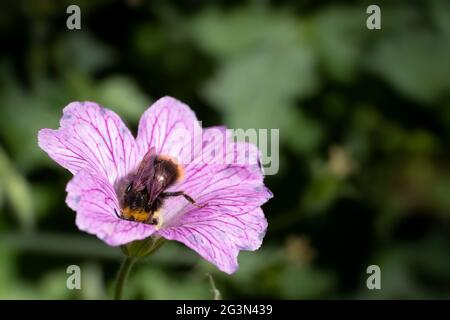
[122, 276]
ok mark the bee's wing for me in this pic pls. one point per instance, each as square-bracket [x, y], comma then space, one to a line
[145, 171]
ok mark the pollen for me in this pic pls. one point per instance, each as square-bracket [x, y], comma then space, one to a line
[135, 215]
[155, 219]
[159, 219]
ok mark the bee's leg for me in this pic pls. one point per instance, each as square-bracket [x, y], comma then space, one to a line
[118, 216]
[181, 193]
[152, 220]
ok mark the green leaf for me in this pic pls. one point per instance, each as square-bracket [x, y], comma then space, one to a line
[152, 283]
[305, 282]
[325, 187]
[266, 65]
[81, 52]
[123, 96]
[440, 10]
[17, 192]
[410, 62]
[338, 34]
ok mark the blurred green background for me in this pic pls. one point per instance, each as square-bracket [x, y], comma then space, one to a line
[364, 119]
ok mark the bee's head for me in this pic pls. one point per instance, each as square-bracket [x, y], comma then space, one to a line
[140, 189]
[135, 198]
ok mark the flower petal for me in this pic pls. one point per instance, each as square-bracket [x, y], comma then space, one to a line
[170, 126]
[222, 163]
[91, 137]
[218, 236]
[231, 219]
[207, 162]
[95, 201]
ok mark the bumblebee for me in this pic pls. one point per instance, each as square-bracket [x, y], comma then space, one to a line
[143, 192]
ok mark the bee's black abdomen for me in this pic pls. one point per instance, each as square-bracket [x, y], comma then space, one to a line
[166, 171]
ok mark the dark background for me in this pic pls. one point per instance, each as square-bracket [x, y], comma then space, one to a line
[364, 120]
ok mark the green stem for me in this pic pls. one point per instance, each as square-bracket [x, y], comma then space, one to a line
[122, 276]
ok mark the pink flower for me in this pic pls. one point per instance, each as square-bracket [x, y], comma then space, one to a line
[223, 178]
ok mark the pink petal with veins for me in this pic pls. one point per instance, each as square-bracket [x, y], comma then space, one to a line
[93, 137]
